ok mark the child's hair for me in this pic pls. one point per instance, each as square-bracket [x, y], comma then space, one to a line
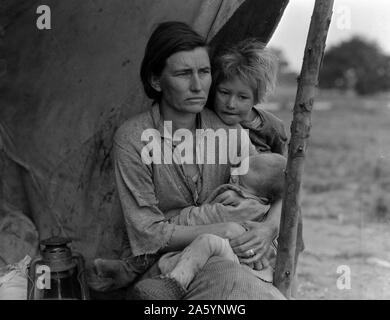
[251, 62]
[266, 175]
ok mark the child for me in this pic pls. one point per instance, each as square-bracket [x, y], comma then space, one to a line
[263, 184]
[243, 75]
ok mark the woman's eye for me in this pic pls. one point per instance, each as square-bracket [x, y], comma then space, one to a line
[203, 74]
[243, 97]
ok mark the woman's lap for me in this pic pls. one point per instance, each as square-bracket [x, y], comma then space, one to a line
[224, 280]
[221, 279]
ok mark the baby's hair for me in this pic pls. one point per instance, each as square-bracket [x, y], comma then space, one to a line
[266, 175]
[251, 62]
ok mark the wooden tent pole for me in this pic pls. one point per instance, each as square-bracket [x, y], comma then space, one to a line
[300, 130]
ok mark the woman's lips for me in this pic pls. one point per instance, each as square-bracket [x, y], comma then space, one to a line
[196, 99]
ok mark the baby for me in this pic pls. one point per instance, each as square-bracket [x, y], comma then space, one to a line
[263, 184]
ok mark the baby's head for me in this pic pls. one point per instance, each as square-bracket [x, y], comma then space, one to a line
[265, 177]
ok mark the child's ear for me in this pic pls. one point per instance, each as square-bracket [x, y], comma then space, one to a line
[155, 83]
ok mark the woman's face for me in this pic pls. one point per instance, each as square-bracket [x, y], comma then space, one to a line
[185, 81]
[233, 101]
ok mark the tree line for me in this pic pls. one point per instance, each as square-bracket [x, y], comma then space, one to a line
[358, 65]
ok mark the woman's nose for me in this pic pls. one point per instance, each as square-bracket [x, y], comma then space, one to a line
[196, 86]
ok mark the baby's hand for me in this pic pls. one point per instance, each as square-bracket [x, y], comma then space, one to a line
[261, 264]
[250, 264]
[228, 198]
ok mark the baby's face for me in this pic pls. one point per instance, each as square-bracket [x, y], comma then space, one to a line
[247, 181]
[234, 100]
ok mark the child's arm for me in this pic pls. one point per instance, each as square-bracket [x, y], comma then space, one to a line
[277, 133]
[269, 135]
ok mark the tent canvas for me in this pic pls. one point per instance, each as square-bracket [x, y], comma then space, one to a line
[64, 92]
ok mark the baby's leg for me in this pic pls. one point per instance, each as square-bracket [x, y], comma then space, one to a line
[195, 256]
[168, 261]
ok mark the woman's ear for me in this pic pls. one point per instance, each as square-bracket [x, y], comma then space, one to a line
[155, 83]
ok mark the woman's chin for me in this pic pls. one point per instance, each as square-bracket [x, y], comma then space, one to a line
[194, 108]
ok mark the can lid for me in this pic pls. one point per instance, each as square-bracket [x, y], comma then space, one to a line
[56, 241]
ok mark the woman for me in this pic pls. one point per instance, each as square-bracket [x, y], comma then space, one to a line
[176, 75]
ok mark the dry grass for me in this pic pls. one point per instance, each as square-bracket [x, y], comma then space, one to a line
[347, 168]
[346, 197]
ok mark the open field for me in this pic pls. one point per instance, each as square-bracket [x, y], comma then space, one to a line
[346, 198]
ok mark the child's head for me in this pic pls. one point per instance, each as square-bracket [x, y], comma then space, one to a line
[242, 76]
[265, 177]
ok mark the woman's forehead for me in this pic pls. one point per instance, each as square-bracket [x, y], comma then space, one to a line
[197, 58]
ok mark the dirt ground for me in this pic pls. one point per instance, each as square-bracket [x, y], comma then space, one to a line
[332, 243]
[345, 200]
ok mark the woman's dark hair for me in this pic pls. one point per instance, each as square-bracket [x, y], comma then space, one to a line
[168, 38]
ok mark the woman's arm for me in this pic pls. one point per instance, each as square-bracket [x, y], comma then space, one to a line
[228, 206]
[272, 219]
[184, 235]
[148, 228]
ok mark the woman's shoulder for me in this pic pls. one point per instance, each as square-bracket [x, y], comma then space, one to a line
[130, 132]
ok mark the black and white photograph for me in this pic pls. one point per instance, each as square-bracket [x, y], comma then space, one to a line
[199, 150]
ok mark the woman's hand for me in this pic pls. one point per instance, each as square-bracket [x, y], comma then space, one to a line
[233, 230]
[251, 246]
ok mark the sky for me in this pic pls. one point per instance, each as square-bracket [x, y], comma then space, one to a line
[368, 18]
